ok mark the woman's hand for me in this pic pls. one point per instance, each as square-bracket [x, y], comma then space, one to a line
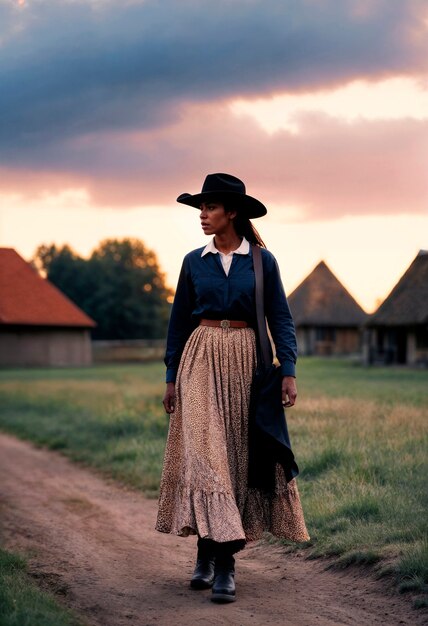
[289, 391]
[169, 398]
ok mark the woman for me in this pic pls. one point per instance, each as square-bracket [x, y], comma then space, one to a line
[211, 361]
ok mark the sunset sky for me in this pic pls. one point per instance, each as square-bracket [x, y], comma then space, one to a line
[109, 110]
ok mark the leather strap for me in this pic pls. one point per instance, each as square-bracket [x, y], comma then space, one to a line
[260, 309]
[223, 323]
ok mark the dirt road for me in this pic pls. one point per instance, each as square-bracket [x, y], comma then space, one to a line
[92, 542]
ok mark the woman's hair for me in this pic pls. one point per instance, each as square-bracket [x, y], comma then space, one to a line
[243, 226]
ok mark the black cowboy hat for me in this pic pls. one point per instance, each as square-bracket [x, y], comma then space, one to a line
[225, 187]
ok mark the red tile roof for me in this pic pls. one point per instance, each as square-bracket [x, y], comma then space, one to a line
[27, 298]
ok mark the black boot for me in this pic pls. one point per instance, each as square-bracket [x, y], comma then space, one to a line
[203, 576]
[224, 579]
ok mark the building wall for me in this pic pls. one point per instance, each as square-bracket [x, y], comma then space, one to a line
[389, 345]
[37, 346]
[418, 348]
[328, 341]
[348, 341]
[305, 341]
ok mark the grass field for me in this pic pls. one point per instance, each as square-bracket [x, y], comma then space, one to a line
[360, 436]
[22, 603]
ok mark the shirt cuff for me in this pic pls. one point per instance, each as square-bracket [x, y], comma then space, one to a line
[288, 368]
[171, 375]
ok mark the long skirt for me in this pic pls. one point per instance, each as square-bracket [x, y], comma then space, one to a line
[204, 486]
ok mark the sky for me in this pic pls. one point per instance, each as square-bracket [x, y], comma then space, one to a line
[109, 111]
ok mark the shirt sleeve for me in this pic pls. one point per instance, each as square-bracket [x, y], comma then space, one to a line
[279, 317]
[181, 324]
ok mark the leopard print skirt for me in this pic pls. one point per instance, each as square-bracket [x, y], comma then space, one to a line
[204, 486]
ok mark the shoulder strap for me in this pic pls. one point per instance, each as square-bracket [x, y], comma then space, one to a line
[260, 310]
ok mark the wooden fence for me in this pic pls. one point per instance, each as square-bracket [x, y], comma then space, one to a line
[128, 350]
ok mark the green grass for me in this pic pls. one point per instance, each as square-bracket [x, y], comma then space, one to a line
[22, 603]
[108, 417]
[360, 436]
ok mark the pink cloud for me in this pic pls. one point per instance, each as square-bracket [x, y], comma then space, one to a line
[331, 168]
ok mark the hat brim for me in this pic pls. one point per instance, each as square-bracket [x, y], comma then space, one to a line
[243, 203]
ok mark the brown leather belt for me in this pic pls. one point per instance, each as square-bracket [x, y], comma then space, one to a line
[224, 323]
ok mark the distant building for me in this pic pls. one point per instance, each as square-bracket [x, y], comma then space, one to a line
[398, 331]
[39, 325]
[328, 320]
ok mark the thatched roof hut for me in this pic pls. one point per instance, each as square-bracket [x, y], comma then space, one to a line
[407, 304]
[39, 325]
[327, 318]
[398, 330]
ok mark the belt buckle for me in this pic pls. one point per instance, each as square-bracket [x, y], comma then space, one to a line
[225, 324]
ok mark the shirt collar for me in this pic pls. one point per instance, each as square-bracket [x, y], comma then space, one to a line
[244, 248]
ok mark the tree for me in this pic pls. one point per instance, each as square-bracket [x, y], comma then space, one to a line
[65, 269]
[120, 286]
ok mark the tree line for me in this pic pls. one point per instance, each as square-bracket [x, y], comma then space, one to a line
[120, 286]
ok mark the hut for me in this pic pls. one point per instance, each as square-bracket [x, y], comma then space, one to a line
[398, 331]
[328, 320]
[39, 325]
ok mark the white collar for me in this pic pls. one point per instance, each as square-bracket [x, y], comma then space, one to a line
[244, 248]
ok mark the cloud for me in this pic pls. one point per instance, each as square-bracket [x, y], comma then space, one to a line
[130, 102]
[73, 68]
[394, 98]
[331, 168]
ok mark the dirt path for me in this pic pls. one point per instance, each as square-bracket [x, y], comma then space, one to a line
[93, 543]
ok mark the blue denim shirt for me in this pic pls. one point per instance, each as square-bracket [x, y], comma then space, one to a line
[205, 291]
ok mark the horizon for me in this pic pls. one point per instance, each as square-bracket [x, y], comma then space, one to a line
[378, 303]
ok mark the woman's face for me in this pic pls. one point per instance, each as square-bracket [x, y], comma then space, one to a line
[214, 219]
